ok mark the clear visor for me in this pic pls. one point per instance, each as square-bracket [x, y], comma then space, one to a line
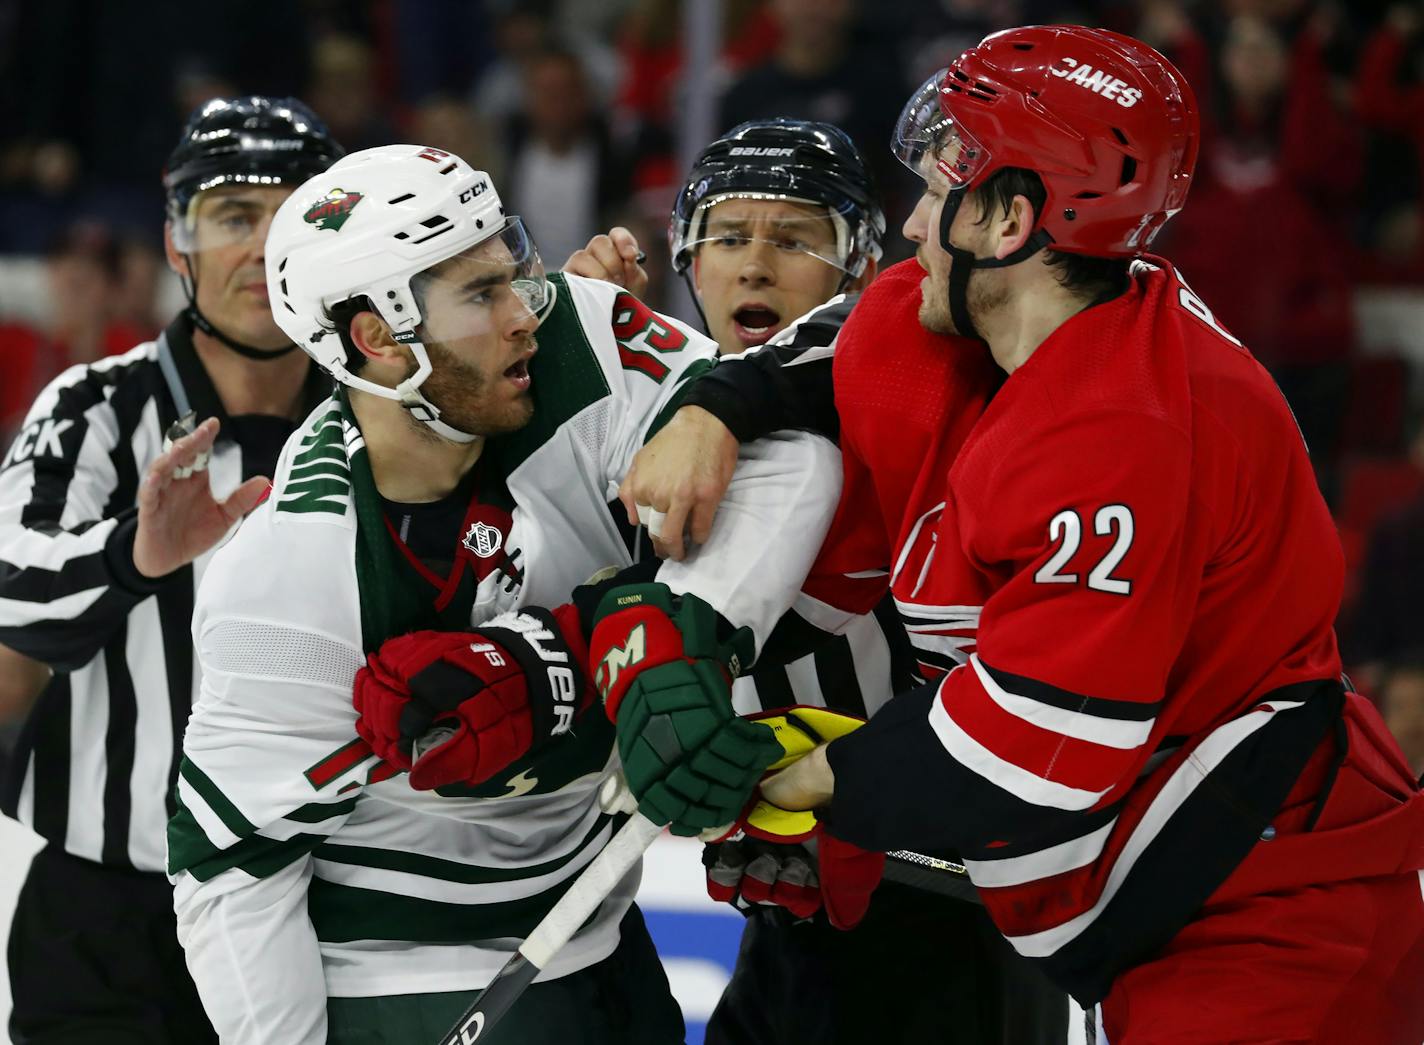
[227, 216]
[735, 225]
[926, 138]
[497, 282]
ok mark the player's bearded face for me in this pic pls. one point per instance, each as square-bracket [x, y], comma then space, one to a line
[479, 334]
[985, 291]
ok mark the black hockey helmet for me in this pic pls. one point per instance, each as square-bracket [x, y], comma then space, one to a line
[798, 160]
[251, 139]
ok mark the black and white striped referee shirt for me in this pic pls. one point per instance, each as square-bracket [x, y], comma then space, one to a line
[787, 384]
[97, 759]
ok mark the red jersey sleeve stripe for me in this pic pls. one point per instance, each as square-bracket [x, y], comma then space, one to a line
[1080, 723]
[1046, 863]
[1165, 804]
[1044, 752]
[1100, 707]
[1027, 786]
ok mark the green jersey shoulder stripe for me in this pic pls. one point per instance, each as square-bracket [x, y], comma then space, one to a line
[218, 802]
[450, 870]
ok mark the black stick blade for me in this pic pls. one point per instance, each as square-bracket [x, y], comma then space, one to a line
[493, 1002]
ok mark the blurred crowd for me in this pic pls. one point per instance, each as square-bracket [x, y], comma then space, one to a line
[1304, 230]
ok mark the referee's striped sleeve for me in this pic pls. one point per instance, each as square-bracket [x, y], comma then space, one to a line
[785, 384]
[67, 487]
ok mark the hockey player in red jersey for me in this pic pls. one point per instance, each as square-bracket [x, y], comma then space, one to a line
[1162, 788]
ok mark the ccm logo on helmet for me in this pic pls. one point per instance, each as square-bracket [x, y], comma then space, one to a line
[1099, 82]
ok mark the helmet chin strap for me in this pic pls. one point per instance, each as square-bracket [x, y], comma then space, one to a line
[249, 351]
[408, 392]
[409, 395]
[696, 300]
[203, 323]
[964, 262]
[428, 414]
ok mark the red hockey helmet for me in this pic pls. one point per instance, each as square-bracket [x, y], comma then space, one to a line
[1109, 124]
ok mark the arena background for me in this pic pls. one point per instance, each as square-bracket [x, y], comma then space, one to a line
[1303, 231]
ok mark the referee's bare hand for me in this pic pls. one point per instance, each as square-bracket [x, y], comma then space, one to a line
[178, 518]
[683, 473]
[614, 257]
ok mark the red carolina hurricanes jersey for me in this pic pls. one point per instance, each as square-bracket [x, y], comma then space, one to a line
[907, 400]
[1155, 657]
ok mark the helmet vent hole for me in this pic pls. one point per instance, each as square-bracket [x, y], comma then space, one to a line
[1129, 170]
[1023, 47]
[284, 286]
[438, 232]
[1122, 138]
[435, 221]
[283, 266]
[289, 307]
[447, 168]
[402, 199]
[1087, 195]
[402, 235]
[960, 76]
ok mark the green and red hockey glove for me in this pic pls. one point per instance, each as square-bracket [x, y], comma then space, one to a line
[459, 707]
[664, 666]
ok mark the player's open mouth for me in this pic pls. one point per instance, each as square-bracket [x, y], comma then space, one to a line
[755, 324]
[519, 374]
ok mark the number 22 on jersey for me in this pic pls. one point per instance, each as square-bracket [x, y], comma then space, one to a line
[1065, 531]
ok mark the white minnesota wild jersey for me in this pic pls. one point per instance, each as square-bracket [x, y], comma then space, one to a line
[303, 867]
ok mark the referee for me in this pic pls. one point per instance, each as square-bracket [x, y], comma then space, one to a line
[106, 523]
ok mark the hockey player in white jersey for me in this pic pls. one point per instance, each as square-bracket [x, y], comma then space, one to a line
[459, 480]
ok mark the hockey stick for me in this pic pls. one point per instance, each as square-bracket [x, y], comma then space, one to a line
[931, 874]
[590, 889]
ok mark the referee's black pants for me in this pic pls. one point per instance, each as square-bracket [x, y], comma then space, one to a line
[94, 957]
[920, 970]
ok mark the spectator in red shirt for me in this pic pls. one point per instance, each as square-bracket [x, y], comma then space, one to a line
[84, 324]
[1261, 239]
[1389, 97]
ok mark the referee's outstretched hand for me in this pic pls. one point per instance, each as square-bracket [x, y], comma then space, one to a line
[178, 516]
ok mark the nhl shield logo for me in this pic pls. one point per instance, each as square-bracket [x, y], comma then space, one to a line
[483, 539]
[332, 210]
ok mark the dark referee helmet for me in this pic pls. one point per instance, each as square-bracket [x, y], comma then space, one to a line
[801, 161]
[250, 140]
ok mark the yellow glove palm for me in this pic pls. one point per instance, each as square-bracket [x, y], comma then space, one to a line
[799, 730]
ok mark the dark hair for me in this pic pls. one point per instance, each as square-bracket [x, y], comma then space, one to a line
[1091, 277]
[89, 241]
[339, 317]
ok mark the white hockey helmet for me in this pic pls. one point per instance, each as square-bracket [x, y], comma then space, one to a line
[366, 227]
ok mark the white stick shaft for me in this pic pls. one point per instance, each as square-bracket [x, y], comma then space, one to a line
[594, 884]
